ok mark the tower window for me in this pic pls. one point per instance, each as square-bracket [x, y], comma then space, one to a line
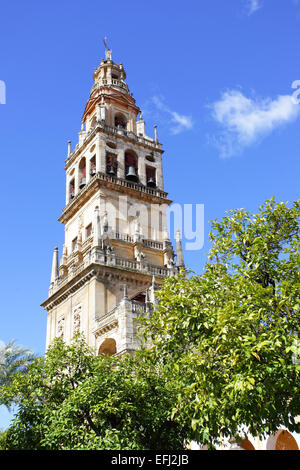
[93, 166]
[111, 164]
[74, 244]
[151, 176]
[82, 173]
[131, 166]
[72, 189]
[88, 231]
[120, 121]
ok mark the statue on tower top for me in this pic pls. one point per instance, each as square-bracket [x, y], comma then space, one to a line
[108, 52]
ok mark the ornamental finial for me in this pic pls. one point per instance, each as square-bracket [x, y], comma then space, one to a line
[108, 52]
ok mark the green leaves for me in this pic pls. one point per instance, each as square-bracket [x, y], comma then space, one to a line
[73, 400]
[224, 354]
[228, 336]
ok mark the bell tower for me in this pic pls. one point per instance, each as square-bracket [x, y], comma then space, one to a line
[117, 249]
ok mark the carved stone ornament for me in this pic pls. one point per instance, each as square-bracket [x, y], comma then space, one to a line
[77, 319]
[61, 327]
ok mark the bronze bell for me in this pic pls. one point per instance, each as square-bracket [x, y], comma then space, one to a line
[111, 170]
[131, 174]
[82, 182]
[151, 182]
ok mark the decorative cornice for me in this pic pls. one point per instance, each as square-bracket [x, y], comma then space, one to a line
[117, 184]
[126, 136]
[108, 327]
[100, 272]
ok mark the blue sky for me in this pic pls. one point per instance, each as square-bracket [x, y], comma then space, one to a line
[214, 75]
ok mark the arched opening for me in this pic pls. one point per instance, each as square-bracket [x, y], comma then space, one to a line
[282, 440]
[120, 121]
[108, 347]
[247, 445]
[285, 441]
[151, 176]
[111, 163]
[72, 188]
[131, 166]
[82, 173]
[93, 166]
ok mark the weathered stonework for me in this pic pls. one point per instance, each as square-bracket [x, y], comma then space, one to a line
[115, 222]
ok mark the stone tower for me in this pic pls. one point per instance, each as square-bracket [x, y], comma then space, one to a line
[117, 249]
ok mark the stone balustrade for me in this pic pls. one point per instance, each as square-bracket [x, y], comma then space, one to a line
[118, 181]
[113, 82]
[98, 256]
[118, 132]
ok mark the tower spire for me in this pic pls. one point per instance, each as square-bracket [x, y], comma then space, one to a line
[109, 171]
[54, 271]
[108, 52]
[179, 251]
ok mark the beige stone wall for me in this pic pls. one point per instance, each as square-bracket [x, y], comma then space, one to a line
[130, 220]
[91, 301]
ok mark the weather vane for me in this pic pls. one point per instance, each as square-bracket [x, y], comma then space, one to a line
[108, 51]
[105, 43]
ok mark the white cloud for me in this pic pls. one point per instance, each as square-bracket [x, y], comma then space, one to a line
[246, 120]
[179, 122]
[253, 6]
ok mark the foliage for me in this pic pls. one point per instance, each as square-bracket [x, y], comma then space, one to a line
[230, 335]
[221, 353]
[13, 358]
[72, 399]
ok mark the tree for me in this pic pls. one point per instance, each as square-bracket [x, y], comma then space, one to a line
[13, 358]
[72, 399]
[229, 336]
[220, 353]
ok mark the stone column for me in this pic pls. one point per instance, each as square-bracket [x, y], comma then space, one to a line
[97, 228]
[142, 169]
[159, 176]
[88, 169]
[100, 156]
[121, 163]
[54, 272]
[76, 177]
[179, 251]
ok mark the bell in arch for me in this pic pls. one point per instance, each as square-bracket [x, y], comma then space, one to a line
[131, 173]
[111, 170]
[82, 182]
[151, 182]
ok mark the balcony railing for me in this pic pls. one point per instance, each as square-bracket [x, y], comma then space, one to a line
[104, 82]
[96, 256]
[118, 131]
[153, 244]
[118, 181]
